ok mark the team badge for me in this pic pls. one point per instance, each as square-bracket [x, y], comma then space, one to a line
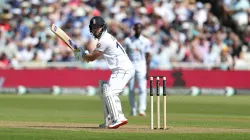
[98, 45]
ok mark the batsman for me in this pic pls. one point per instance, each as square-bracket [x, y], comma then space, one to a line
[120, 65]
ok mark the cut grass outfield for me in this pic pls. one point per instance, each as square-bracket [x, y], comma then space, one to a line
[47, 117]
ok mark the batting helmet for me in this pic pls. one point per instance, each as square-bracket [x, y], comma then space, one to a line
[97, 22]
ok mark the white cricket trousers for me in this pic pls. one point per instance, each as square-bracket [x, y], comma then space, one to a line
[117, 82]
[140, 79]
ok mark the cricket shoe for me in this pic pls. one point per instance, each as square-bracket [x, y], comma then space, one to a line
[142, 113]
[133, 113]
[118, 123]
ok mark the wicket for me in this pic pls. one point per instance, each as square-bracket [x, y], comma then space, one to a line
[158, 101]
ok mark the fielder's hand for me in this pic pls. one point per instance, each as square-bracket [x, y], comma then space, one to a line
[79, 53]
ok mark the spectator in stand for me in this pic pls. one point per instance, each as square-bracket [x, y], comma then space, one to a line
[25, 22]
[236, 47]
[31, 38]
[212, 24]
[229, 37]
[53, 58]
[161, 60]
[5, 17]
[67, 56]
[10, 48]
[179, 54]
[200, 48]
[247, 37]
[225, 60]
[45, 53]
[210, 58]
[15, 63]
[240, 63]
[2, 36]
[200, 16]
[218, 44]
[4, 61]
[238, 9]
[36, 58]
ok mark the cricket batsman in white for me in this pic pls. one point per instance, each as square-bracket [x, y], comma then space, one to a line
[120, 65]
[138, 50]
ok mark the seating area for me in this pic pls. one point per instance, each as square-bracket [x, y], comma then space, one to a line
[184, 34]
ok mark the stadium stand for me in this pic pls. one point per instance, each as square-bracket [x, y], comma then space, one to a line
[184, 33]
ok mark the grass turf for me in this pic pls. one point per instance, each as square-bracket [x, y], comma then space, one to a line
[34, 134]
[208, 115]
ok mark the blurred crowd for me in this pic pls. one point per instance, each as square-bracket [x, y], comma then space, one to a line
[180, 31]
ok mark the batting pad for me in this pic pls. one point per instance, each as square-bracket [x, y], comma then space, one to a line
[107, 117]
[105, 110]
[112, 108]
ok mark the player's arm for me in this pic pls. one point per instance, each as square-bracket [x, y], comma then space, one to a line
[85, 56]
[148, 59]
[92, 56]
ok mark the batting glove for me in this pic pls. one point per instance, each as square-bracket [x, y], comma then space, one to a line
[79, 53]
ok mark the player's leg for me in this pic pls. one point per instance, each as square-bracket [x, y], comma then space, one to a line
[119, 107]
[142, 83]
[114, 108]
[107, 118]
[109, 101]
[117, 82]
[132, 99]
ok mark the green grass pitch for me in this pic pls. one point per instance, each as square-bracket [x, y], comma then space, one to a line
[48, 117]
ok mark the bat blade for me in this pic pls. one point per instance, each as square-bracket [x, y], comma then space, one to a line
[64, 37]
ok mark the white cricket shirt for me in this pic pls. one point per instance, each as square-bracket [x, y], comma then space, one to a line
[113, 52]
[137, 49]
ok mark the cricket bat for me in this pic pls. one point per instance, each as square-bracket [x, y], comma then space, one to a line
[64, 37]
